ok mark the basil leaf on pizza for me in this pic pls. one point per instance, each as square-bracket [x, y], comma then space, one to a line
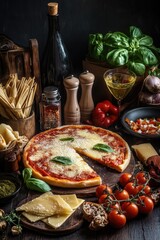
[103, 147]
[67, 139]
[62, 160]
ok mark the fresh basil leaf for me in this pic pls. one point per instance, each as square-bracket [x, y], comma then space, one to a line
[116, 40]
[148, 56]
[135, 32]
[26, 174]
[118, 57]
[146, 41]
[137, 67]
[62, 160]
[37, 185]
[67, 139]
[103, 147]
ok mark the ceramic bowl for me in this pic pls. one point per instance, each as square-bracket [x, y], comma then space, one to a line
[13, 177]
[142, 112]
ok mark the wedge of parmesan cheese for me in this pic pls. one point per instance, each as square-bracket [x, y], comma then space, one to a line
[71, 199]
[144, 151]
[46, 206]
[56, 221]
[32, 218]
[52, 209]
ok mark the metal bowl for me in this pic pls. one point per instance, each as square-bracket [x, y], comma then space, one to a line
[142, 112]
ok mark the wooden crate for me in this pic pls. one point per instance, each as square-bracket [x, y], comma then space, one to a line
[21, 60]
[25, 62]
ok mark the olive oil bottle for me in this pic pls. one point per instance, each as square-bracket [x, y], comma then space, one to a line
[56, 63]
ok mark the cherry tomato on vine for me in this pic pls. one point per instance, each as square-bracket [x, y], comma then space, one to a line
[141, 177]
[121, 194]
[145, 204]
[102, 189]
[131, 188]
[130, 210]
[115, 206]
[144, 189]
[116, 219]
[106, 200]
[102, 198]
[124, 179]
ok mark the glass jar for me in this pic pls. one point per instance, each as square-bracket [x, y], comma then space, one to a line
[50, 108]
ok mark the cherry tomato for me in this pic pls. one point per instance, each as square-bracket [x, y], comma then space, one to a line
[141, 177]
[115, 206]
[124, 179]
[102, 198]
[145, 204]
[106, 200]
[130, 210]
[116, 219]
[121, 194]
[102, 189]
[144, 189]
[131, 188]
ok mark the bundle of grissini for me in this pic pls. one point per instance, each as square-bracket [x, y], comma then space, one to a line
[16, 97]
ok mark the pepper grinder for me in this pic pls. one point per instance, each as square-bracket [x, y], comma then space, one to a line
[86, 101]
[71, 108]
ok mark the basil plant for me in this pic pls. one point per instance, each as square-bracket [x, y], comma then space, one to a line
[135, 51]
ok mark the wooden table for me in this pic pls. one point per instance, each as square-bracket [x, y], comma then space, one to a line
[141, 228]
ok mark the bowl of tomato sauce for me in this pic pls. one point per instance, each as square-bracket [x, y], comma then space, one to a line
[142, 122]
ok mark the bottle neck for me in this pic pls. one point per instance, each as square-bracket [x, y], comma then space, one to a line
[53, 23]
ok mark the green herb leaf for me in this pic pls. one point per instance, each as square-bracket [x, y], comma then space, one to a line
[37, 185]
[67, 139]
[33, 183]
[62, 160]
[103, 147]
[26, 173]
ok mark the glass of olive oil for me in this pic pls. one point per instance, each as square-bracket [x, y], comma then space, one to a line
[119, 82]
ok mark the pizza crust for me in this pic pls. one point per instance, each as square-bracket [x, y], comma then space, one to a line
[67, 183]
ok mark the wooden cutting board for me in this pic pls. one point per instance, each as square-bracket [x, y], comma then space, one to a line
[73, 223]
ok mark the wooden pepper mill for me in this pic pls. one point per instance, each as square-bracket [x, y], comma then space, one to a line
[71, 108]
[86, 101]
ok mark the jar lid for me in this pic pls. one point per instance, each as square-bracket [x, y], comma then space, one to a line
[51, 91]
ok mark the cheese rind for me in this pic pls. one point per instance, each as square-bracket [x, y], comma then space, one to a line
[144, 151]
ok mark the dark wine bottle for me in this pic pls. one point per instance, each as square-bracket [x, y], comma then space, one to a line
[56, 64]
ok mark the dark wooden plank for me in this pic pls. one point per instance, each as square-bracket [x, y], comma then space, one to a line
[36, 69]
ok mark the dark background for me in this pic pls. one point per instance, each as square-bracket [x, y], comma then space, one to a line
[22, 20]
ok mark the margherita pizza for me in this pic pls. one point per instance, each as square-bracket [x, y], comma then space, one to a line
[57, 155]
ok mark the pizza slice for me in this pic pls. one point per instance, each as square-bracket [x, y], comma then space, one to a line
[59, 165]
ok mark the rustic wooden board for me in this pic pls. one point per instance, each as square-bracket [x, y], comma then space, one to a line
[73, 223]
[108, 176]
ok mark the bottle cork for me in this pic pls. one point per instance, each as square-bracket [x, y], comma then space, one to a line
[71, 108]
[53, 8]
[86, 101]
